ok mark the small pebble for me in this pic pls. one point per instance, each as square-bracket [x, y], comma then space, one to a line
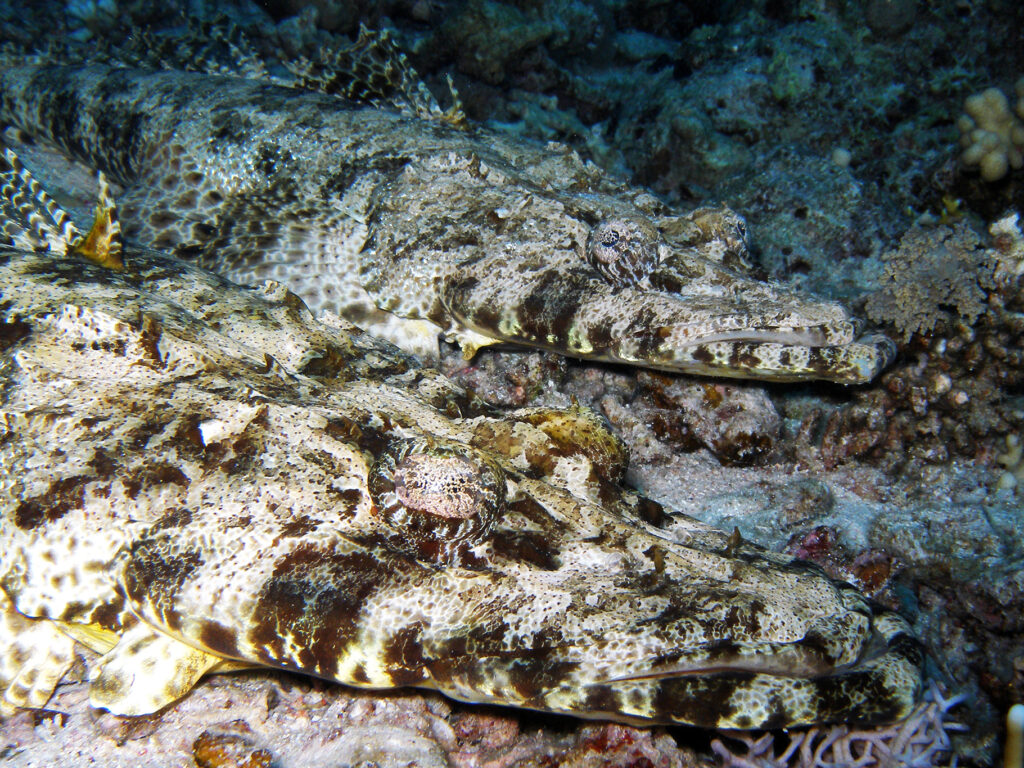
[229, 750]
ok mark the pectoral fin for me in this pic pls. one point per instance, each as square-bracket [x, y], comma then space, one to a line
[146, 671]
[469, 341]
[34, 656]
[32, 220]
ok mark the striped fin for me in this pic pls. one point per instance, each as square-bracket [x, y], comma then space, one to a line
[32, 220]
[215, 47]
[374, 70]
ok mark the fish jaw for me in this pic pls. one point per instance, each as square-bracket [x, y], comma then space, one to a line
[701, 319]
[653, 661]
[712, 698]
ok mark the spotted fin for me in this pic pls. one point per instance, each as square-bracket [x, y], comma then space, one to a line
[146, 671]
[373, 69]
[32, 220]
[34, 656]
[215, 47]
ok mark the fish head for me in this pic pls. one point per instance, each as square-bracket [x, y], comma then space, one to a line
[543, 250]
[673, 293]
[514, 570]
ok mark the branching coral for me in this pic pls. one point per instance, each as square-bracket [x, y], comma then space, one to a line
[935, 273]
[953, 390]
[922, 739]
[991, 134]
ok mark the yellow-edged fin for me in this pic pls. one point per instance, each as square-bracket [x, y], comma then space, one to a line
[29, 218]
[92, 636]
[469, 341]
[102, 243]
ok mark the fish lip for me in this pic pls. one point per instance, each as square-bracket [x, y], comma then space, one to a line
[763, 333]
[829, 325]
[749, 356]
[792, 662]
[803, 337]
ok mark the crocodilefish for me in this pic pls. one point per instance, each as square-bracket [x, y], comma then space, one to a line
[407, 222]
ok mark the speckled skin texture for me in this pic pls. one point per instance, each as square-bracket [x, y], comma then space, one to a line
[407, 226]
[198, 476]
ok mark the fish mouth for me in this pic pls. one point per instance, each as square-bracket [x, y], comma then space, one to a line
[760, 685]
[773, 356]
[804, 337]
[786, 661]
[756, 331]
[821, 335]
[745, 330]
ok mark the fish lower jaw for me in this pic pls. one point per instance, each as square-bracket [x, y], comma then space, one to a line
[856, 362]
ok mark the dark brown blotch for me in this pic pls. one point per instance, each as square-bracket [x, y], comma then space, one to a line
[348, 430]
[350, 497]
[553, 304]
[600, 336]
[526, 547]
[102, 464]
[601, 699]
[176, 518]
[403, 655]
[746, 619]
[154, 575]
[533, 511]
[60, 498]
[109, 615]
[646, 330]
[699, 701]
[652, 513]
[219, 639]
[298, 526]
[703, 355]
[152, 476]
[315, 596]
[11, 332]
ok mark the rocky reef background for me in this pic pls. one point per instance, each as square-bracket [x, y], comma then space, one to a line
[832, 127]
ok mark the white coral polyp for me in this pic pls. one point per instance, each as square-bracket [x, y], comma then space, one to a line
[991, 134]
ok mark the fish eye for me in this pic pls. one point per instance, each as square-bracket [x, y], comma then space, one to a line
[436, 500]
[623, 250]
